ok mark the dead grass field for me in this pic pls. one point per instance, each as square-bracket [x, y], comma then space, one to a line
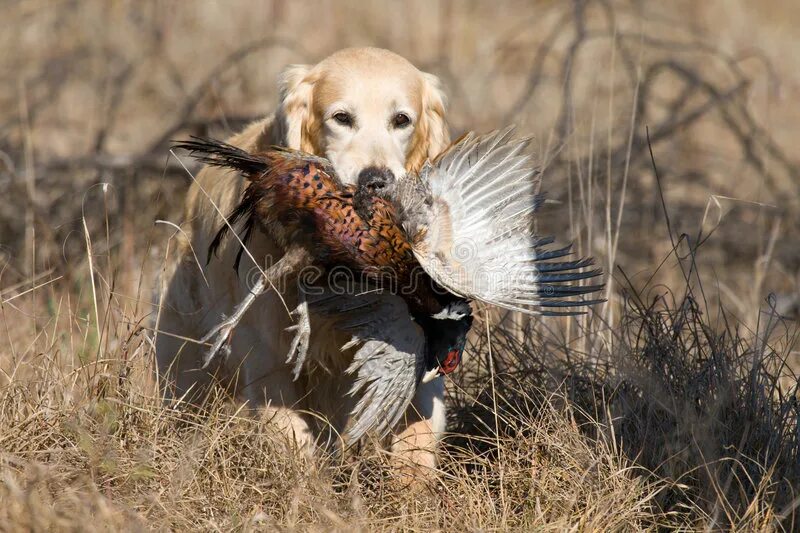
[673, 406]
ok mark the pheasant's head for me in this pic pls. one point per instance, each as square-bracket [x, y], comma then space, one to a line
[447, 334]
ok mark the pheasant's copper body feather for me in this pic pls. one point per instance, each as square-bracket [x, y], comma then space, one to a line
[300, 200]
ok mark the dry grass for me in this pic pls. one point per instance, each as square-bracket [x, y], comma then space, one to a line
[675, 405]
[97, 451]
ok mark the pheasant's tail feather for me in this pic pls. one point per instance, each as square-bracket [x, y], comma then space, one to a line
[245, 210]
[219, 154]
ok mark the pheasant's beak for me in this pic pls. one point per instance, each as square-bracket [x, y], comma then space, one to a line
[448, 365]
[430, 375]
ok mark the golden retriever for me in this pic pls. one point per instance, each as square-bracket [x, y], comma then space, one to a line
[366, 110]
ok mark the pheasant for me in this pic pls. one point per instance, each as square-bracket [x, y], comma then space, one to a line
[461, 230]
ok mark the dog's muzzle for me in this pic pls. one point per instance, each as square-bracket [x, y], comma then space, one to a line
[375, 178]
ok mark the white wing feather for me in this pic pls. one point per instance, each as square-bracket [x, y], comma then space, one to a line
[471, 219]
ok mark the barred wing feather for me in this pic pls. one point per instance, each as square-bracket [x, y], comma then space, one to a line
[389, 361]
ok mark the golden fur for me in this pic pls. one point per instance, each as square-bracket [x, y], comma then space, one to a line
[372, 86]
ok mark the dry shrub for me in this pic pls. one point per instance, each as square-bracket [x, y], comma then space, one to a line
[686, 393]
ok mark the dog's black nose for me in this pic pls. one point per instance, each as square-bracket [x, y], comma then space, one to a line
[375, 178]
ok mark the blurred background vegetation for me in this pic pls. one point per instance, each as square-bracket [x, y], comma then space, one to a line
[93, 92]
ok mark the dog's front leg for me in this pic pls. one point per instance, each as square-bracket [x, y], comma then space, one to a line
[415, 442]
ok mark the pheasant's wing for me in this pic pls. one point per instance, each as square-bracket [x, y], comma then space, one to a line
[471, 221]
[389, 361]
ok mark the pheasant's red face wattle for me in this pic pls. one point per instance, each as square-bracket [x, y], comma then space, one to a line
[450, 362]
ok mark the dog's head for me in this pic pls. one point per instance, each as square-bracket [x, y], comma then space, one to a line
[367, 110]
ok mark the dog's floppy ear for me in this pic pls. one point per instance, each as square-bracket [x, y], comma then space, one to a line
[294, 116]
[431, 136]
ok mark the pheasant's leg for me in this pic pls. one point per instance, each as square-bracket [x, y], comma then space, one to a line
[302, 336]
[222, 331]
[294, 259]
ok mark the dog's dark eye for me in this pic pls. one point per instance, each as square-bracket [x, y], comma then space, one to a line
[401, 120]
[343, 118]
